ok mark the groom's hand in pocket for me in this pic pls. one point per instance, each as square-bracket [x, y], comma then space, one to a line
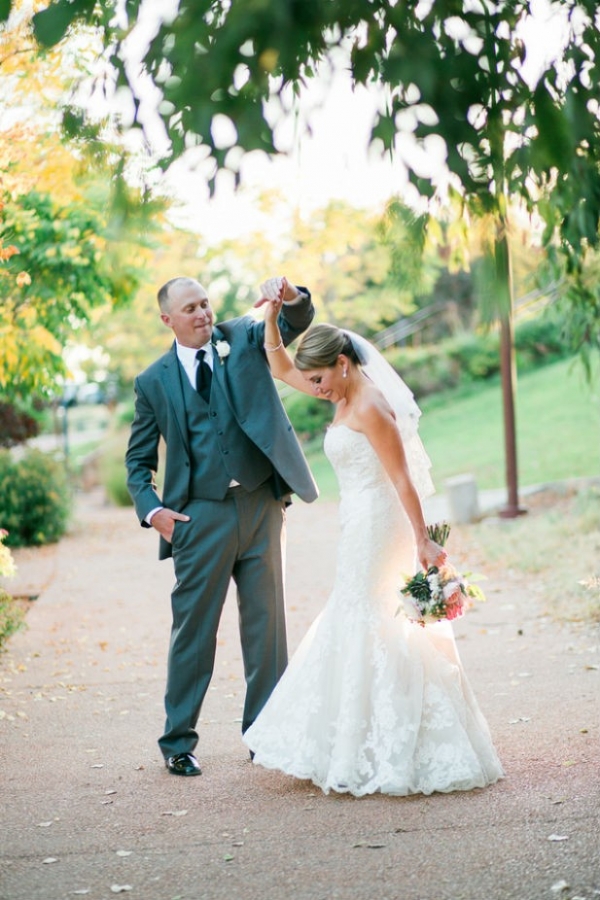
[164, 522]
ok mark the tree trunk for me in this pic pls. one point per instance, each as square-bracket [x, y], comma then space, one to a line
[507, 365]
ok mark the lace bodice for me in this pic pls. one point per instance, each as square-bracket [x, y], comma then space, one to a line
[356, 465]
[376, 543]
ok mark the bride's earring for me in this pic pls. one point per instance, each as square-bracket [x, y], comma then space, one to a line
[345, 373]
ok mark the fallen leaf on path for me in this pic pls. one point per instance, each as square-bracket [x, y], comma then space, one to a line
[50, 859]
[179, 812]
[119, 888]
[45, 824]
[124, 852]
[558, 837]
[559, 886]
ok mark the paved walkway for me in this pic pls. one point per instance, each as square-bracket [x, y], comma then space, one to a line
[89, 809]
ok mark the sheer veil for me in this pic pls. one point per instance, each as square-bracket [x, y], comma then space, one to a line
[401, 399]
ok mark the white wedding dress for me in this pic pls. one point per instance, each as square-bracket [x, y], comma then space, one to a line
[370, 701]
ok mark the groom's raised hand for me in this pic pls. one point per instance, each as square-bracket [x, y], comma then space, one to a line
[278, 290]
[164, 522]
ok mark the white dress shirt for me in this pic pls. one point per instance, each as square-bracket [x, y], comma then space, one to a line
[187, 358]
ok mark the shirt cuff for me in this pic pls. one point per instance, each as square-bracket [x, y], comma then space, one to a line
[301, 296]
[148, 519]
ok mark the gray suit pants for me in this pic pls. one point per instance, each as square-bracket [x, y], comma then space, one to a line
[241, 537]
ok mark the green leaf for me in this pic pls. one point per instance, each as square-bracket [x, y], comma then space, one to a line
[5, 7]
[51, 24]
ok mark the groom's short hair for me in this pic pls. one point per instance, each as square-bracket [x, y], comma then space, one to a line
[163, 297]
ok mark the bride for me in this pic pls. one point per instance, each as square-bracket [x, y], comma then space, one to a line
[371, 701]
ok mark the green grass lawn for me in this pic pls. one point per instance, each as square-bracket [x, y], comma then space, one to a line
[558, 431]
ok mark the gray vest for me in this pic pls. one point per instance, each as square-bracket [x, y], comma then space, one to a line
[220, 450]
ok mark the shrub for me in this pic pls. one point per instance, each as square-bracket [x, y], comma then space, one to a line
[16, 425]
[124, 414]
[540, 340]
[113, 474]
[426, 370]
[35, 499]
[309, 416]
[477, 356]
[12, 616]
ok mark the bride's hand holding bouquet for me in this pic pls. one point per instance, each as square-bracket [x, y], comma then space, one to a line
[439, 591]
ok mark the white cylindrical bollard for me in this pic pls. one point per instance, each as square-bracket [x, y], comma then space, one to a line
[462, 498]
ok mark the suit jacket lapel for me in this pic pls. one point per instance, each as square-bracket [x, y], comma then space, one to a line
[172, 374]
[219, 365]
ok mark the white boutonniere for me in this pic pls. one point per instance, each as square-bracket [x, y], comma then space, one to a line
[223, 350]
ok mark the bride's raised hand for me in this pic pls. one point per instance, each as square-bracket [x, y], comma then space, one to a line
[273, 292]
[271, 308]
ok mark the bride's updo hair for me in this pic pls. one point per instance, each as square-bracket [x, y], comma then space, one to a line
[320, 347]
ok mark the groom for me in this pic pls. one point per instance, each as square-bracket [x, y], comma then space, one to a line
[232, 461]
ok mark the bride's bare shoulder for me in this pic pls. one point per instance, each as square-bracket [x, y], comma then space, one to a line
[373, 410]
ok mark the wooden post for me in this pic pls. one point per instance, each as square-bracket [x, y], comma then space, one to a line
[507, 368]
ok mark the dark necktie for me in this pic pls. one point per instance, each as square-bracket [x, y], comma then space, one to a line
[203, 376]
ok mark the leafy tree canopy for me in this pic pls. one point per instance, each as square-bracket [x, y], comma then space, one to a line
[72, 236]
[452, 69]
[217, 75]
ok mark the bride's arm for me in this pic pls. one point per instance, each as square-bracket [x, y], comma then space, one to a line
[280, 362]
[384, 436]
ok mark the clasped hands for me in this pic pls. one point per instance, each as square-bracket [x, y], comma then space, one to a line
[277, 291]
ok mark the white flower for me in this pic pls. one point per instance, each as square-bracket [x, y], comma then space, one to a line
[434, 584]
[223, 350]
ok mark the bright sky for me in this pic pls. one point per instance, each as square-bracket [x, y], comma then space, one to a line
[334, 161]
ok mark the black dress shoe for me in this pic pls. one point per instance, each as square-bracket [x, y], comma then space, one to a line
[183, 764]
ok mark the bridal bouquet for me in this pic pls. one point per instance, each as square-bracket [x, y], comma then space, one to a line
[441, 592]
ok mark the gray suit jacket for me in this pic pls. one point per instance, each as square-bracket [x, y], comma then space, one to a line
[252, 395]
